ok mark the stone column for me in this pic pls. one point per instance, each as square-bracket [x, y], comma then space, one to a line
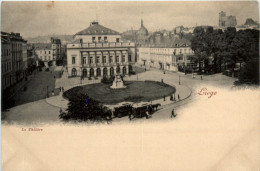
[121, 69]
[101, 68]
[95, 72]
[108, 71]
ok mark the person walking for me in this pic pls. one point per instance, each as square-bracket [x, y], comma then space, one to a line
[178, 97]
[173, 114]
[129, 116]
[147, 114]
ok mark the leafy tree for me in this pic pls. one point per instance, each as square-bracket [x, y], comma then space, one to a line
[82, 107]
[250, 72]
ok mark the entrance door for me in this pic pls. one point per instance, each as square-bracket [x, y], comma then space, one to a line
[111, 71]
[91, 72]
[84, 73]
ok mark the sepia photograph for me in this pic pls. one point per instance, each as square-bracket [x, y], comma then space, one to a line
[130, 85]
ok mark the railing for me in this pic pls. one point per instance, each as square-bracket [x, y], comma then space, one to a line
[100, 45]
[104, 64]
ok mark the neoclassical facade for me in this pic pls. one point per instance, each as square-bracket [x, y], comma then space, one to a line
[98, 51]
[166, 58]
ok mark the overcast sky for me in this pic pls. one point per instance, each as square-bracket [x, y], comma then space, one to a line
[44, 18]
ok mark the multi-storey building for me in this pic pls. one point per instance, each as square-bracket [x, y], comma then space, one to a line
[99, 51]
[49, 52]
[6, 61]
[13, 56]
[227, 21]
[166, 58]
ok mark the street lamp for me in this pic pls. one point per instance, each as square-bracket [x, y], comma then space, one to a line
[179, 80]
[47, 92]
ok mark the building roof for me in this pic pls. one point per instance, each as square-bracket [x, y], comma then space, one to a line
[142, 31]
[42, 46]
[96, 29]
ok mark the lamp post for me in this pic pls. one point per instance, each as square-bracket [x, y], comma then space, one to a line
[179, 80]
[47, 92]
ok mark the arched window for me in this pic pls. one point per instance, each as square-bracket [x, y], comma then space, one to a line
[98, 72]
[124, 70]
[91, 72]
[84, 73]
[111, 71]
[105, 72]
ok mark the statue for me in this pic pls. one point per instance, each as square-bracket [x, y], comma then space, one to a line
[117, 83]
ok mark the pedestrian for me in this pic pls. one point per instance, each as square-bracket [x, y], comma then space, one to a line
[164, 98]
[147, 114]
[61, 111]
[201, 77]
[173, 114]
[52, 93]
[178, 97]
[171, 98]
[129, 116]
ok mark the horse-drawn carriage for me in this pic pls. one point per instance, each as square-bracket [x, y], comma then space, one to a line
[123, 110]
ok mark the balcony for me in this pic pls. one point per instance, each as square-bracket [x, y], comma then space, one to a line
[100, 45]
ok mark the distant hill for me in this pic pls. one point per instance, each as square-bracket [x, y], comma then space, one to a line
[250, 22]
[47, 39]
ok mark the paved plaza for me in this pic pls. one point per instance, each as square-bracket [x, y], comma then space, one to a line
[46, 110]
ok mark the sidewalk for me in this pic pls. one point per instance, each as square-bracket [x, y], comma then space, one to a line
[12, 91]
[59, 101]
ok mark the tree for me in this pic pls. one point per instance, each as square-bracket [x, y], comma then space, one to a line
[82, 107]
[250, 72]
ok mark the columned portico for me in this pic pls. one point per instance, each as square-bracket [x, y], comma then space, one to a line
[98, 58]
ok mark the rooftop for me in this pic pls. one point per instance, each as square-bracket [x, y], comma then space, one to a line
[96, 29]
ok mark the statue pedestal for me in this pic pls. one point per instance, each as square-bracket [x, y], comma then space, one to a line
[117, 83]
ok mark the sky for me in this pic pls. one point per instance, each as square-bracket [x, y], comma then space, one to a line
[33, 19]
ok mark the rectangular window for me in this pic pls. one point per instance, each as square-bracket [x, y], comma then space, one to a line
[123, 58]
[91, 60]
[104, 59]
[45, 58]
[45, 51]
[93, 39]
[105, 38]
[84, 60]
[98, 59]
[129, 58]
[49, 52]
[73, 60]
[117, 59]
[111, 59]
[117, 40]
[99, 39]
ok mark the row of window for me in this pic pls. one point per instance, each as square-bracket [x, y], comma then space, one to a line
[165, 50]
[45, 58]
[99, 39]
[17, 47]
[6, 67]
[84, 59]
[45, 51]
[6, 52]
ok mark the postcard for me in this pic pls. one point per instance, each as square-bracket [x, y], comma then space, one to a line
[130, 86]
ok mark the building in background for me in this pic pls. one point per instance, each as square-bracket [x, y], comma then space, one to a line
[56, 49]
[99, 51]
[170, 57]
[14, 58]
[49, 52]
[227, 21]
[6, 61]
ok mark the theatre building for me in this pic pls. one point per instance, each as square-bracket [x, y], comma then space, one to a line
[98, 51]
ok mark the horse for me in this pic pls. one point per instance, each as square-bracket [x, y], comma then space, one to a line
[156, 106]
